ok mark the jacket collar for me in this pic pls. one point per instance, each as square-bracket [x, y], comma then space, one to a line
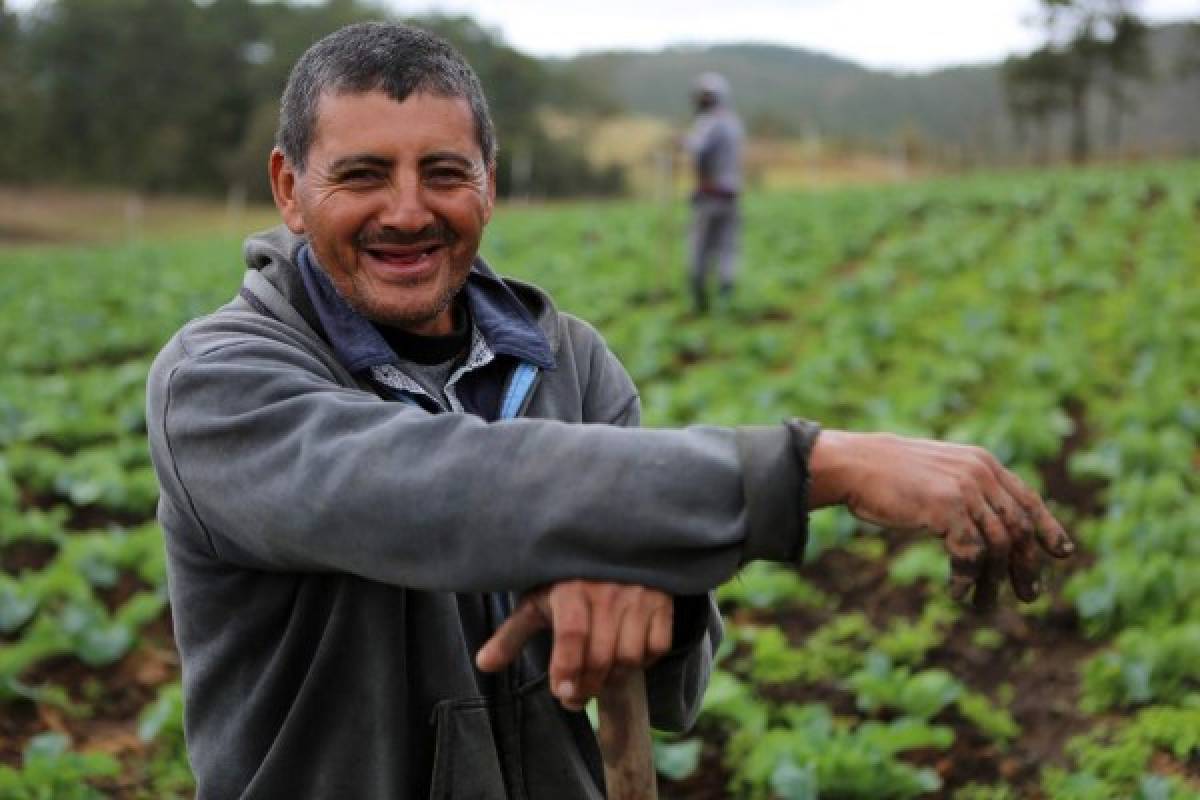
[501, 318]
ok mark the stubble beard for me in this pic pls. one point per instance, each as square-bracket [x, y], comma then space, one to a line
[360, 294]
[360, 298]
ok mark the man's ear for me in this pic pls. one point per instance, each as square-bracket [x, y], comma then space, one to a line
[491, 192]
[283, 189]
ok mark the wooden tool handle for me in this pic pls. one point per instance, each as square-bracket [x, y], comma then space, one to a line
[625, 739]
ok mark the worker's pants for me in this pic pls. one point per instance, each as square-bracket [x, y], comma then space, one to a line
[716, 228]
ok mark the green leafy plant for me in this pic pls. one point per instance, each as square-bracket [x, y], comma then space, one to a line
[676, 760]
[50, 770]
[907, 642]
[993, 721]
[1144, 666]
[834, 649]
[1116, 761]
[920, 561]
[160, 724]
[975, 791]
[762, 585]
[881, 685]
[808, 754]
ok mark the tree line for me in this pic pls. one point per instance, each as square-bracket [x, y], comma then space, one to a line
[1093, 49]
[182, 95]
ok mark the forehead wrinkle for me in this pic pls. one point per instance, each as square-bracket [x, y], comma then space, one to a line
[458, 140]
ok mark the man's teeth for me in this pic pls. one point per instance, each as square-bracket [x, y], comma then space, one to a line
[407, 253]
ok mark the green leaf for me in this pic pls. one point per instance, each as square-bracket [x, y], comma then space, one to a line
[921, 561]
[99, 647]
[98, 570]
[15, 608]
[677, 760]
[762, 585]
[791, 782]
[164, 714]
[46, 746]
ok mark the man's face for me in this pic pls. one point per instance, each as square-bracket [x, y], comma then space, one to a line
[394, 200]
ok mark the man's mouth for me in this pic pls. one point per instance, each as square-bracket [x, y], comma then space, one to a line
[403, 255]
[406, 254]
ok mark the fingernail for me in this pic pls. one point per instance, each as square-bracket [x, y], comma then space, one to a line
[1067, 546]
[566, 690]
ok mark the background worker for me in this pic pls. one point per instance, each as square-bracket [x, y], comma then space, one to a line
[714, 146]
[411, 526]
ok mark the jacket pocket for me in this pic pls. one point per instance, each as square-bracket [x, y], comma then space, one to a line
[466, 765]
[559, 756]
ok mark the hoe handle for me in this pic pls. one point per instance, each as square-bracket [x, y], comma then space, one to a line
[625, 739]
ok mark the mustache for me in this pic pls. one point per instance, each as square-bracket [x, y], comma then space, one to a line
[437, 233]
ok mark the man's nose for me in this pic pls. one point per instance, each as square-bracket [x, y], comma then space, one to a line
[405, 207]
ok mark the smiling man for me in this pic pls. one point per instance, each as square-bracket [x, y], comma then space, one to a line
[411, 526]
[394, 221]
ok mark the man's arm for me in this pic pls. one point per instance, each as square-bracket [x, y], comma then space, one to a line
[993, 525]
[281, 468]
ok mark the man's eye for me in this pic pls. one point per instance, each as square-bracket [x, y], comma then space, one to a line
[446, 175]
[360, 176]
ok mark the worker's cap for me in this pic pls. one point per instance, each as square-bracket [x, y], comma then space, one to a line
[711, 83]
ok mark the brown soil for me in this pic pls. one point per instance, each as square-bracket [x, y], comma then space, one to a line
[18, 722]
[79, 518]
[770, 314]
[118, 594]
[1082, 497]
[22, 556]
[1154, 194]
[689, 357]
[652, 297]
[19, 234]
[90, 518]
[34, 216]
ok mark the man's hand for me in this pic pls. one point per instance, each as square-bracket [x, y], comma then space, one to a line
[992, 523]
[598, 627]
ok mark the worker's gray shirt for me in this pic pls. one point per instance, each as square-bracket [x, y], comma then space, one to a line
[327, 551]
[715, 146]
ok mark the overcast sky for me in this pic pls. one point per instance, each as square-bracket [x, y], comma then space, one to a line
[897, 34]
[904, 34]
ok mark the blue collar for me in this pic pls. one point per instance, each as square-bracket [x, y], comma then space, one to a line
[502, 320]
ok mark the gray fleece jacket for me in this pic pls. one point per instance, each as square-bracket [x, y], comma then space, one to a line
[328, 551]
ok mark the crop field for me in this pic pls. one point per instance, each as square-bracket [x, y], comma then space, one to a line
[1053, 318]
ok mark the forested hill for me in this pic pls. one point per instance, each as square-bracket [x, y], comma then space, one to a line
[799, 92]
[181, 96]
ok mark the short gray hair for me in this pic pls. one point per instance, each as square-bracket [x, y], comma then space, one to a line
[397, 59]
